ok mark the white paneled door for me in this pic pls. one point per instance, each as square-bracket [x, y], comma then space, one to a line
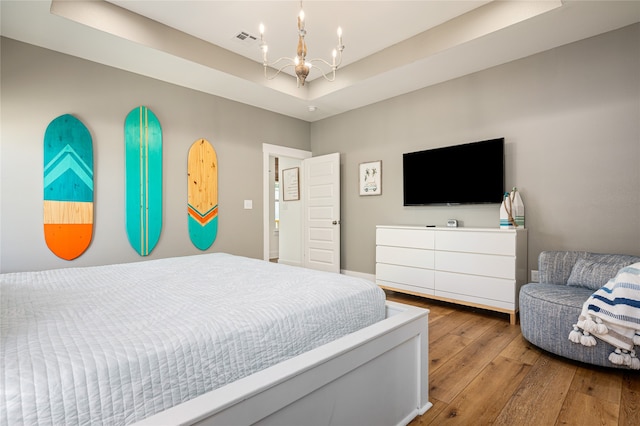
[321, 192]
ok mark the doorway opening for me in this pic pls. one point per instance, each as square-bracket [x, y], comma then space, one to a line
[281, 238]
[308, 226]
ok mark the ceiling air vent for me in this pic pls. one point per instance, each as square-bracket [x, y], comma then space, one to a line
[245, 38]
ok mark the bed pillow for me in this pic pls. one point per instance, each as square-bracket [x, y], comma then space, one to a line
[592, 274]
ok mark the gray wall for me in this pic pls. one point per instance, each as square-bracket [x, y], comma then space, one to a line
[571, 119]
[570, 116]
[38, 85]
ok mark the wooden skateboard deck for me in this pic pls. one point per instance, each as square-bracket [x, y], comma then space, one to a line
[202, 201]
[143, 179]
[68, 187]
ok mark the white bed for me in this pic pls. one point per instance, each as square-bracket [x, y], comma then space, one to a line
[214, 338]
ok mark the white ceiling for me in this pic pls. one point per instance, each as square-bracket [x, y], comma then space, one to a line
[392, 47]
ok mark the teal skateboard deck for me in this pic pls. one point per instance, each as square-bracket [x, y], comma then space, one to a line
[68, 187]
[143, 179]
[202, 198]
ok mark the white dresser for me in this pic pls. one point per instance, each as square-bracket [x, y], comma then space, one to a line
[483, 267]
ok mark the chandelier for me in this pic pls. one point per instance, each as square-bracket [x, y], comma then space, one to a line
[301, 64]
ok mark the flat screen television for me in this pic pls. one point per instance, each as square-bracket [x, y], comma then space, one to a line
[471, 173]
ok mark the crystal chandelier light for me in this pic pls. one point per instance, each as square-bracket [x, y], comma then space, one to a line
[300, 63]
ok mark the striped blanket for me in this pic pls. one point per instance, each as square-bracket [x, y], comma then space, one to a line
[612, 314]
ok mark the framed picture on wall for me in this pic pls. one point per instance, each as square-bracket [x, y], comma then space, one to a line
[370, 182]
[291, 184]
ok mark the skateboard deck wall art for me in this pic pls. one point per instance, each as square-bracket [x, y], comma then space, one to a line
[143, 179]
[68, 187]
[202, 198]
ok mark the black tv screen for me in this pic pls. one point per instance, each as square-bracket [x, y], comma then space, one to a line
[471, 173]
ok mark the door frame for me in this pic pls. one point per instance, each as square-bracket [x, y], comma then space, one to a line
[269, 150]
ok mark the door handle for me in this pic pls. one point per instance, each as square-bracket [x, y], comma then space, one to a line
[336, 222]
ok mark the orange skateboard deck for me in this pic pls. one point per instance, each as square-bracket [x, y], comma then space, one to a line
[68, 187]
[202, 203]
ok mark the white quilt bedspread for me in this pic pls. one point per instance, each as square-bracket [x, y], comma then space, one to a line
[115, 344]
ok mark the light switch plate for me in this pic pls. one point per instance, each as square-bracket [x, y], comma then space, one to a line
[248, 204]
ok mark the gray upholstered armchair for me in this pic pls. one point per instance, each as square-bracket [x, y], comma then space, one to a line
[549, 308]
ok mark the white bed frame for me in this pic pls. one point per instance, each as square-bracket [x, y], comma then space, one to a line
[375, 376]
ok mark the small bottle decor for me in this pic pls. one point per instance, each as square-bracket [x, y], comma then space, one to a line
[506, 210]
[517, 207]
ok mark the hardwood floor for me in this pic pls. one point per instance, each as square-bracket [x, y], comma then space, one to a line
[482, 371]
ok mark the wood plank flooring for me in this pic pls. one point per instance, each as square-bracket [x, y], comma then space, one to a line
[482, 371]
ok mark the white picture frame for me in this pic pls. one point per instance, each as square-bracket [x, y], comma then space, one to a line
[291, 184]
[370, 182]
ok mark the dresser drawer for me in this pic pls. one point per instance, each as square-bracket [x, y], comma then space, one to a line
[500, 242]
[419, 258]
[477, 286]
[416, 277]
[412, 238]
[406, 288]
[476, 264]
[467, 299]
